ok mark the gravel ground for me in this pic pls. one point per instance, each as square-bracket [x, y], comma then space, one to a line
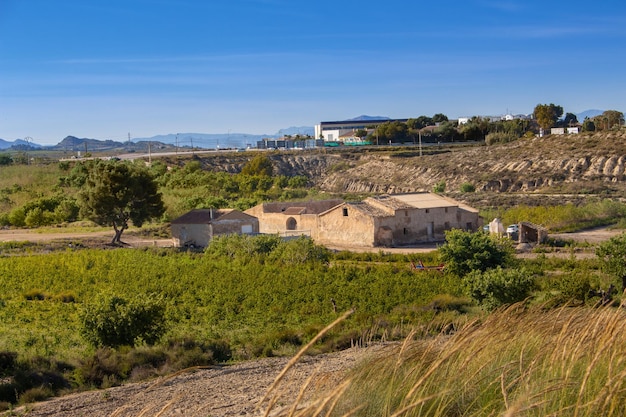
[234, 390]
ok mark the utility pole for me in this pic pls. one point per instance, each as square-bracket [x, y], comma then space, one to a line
[149, 153]
[420, 140]
[28, 141]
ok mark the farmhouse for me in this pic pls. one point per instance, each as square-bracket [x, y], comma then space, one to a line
[387, 220]
[395, 220]
[290, 218]
[198, 227]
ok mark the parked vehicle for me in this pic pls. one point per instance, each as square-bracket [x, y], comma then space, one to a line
[513, 228]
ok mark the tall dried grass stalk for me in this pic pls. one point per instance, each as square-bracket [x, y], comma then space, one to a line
[515, 362]
[302, 351]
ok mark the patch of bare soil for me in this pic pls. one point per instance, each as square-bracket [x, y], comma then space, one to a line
[86, 239]
[235, 390]
[591, 236]
[586, 241]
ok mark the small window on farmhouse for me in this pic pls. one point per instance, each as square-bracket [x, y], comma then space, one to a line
[406, 231]
[427, 211]
[446, 209]
[345, 211]
[406, 213]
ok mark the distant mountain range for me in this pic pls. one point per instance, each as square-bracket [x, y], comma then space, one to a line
[365, 118]
[202, 140]
[588, 113]
[17, 143]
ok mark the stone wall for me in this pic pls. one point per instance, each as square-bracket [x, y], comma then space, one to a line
[345, 225]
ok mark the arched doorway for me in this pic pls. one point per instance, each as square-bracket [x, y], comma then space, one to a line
[292, 224]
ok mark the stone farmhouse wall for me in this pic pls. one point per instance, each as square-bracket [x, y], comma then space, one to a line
[345, 225]
[289, 217]
[201, 227]
[384, 222]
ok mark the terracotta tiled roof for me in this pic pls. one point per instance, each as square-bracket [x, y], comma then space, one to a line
[300, 207]
[415, 200]
[369, 209]
[291, 211]
[201, 216]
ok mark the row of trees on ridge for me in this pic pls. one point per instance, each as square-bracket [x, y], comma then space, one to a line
[439, 128]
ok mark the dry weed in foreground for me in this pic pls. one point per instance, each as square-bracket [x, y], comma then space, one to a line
[294, 360]
[516, 362]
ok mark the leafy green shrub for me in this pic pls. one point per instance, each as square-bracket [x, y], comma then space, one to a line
[17, 217]
[260, 165]
[293, 195]
[468, 187]
[37, 217]
[242, 246]
[497, 137]
[440, 187]
[465, 252]
[299, 251]
[297, 181]
[571, 287]
[66, 211]
[115, 321]
[496, 287]
[612, 253]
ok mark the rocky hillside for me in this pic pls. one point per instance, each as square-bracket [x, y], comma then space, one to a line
[572, 164]
[582, 164]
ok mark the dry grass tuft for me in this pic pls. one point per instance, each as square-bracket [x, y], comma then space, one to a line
[516, 362]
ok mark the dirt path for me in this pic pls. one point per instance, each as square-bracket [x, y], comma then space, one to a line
[591, 236]
[234, 390]
[98, 237]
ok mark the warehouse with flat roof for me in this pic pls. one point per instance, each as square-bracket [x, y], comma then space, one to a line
[332, 131]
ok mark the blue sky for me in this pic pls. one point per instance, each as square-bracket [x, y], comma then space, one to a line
[105, 68]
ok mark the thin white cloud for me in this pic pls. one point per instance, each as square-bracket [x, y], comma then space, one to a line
[165, 60]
